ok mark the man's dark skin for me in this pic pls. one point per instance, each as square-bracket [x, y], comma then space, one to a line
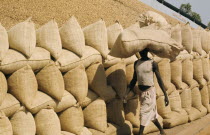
[144, 57]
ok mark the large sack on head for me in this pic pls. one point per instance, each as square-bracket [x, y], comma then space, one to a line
[41, 101]
[3, 87]
[67, 61]
[205, 97]
[48, 37]
[72, 36]
[91, 96]
[76, 83]
[23, 123]
[72, 120]
[5, 125]
[98, 83]
[187, 37]
[113, 32]
[115, 112]
[10, 105]
[176, 33]
[116, 77]
[47, 123]
[90, 56]
[96, 37]
[131, 41]
[197, 41]
[132, 111]
[22, 37]
[50, 81]
[67, 101]
[4, 42]
[23, 85]
[205, 40]
[95, 115]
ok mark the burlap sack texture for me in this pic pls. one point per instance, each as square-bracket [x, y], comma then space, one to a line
[91, 96]
[5, 125]
[4, 42]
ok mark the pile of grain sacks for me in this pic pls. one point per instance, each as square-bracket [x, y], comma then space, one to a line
[61, 81]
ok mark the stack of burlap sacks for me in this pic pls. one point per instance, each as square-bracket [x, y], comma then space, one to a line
[61, 81]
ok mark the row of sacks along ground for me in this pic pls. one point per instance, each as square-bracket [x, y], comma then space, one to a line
[61, 81]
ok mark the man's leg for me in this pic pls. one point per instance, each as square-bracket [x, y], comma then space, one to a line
[141, 130]
[157, 124]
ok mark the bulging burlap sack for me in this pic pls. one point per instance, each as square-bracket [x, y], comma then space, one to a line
[130, 60]
[198, 72]
[41, 101]
[96, 37]
[72, 36]
[205, 40]
[175, 120]
[50, 81]
[132, 111]
[76, 83]
[3, 87]
[110, 61]
[67, 101]
[115, 112]
[205, 97]
[10, 105]
[176, 33]
[113, 32]
[4, 42]
[47, 123]
[23, 123]
[187, 37]
[95, 115]
[163, 111]
[91, 96]
[72, 120]
[5, 125]
[96, 132]
[197, 41]
[116, 77]
[131, 41]
[98, 83]
[23, 85]
[206, 67]
[48, 37]
[22, 37]
[90, 56]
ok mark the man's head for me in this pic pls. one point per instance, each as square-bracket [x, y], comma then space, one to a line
[144, 53]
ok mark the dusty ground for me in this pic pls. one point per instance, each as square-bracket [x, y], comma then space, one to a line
[87, 11]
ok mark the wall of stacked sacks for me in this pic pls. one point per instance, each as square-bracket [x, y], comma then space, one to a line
[61, 81]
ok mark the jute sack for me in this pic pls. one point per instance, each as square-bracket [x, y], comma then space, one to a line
[23, 123]
[176, 33]
[23, 85]
[116, 77]
[72, 120]
[91, 96]
[47, 122]
[10, 105]
[197, 41]
[205, 97]
[67, 61]
[98, 83]
[206, 67]
[50, 81]
[175, 120]
[131, 41]
[205, 40]
[90, 56]
[132, 111]
[39, 59]
[129, 73]
[113, 32]
[76, 83]
[115, 112]
[95, 115]
[4, 42]
[3, 87]
[67, 101]
[110, 61]
[22, 37]
[187, 37]
[96, 37]
[130, 60]
[72, 36]
[41, 101]
[96, 132]
[48, 37]
[5, 125]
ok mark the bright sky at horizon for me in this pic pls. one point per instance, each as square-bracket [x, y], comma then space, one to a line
[201, 7]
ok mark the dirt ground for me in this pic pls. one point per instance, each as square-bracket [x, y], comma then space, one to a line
[86, 11]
